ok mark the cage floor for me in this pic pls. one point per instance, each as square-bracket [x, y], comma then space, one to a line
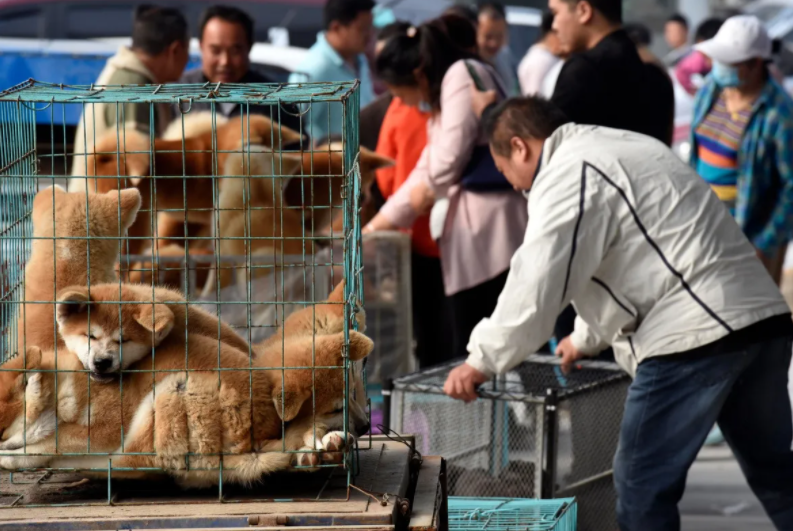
[383, 468]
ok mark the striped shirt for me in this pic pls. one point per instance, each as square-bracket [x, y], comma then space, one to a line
[718, 142]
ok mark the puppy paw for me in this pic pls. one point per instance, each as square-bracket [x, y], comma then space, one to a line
[307, 458]
[334, 445]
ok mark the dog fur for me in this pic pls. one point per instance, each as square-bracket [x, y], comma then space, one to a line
[203, 411]
[57, 260]
[99, 330]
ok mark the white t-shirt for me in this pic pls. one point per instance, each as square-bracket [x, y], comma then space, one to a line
[549, 83]
[534, 68]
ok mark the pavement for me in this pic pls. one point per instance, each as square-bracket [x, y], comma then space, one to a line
[717, 497]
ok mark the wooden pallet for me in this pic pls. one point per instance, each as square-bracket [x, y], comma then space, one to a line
[324, 500]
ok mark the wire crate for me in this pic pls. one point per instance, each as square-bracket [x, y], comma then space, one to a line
[135, 259]
[533, 433]
[507, 514]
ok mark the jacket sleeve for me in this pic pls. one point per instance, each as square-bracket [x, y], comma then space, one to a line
[587, 340]
[777, 230]
[566, 239]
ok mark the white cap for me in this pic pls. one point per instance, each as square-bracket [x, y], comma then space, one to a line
[740, 38]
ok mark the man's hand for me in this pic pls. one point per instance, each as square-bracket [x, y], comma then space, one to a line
[481, 100]
[421, 198]
[462, 383]
[569, 354]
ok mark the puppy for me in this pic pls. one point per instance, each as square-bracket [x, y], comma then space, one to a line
[203, 411]
[161, 169]
[62, 254]
[108, 334]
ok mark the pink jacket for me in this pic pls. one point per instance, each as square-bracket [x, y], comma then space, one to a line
[482, 230]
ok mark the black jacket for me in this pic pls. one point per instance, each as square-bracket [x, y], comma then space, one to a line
[288, 114]
[610, 86]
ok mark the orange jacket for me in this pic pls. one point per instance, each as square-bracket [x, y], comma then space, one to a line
[403, 137]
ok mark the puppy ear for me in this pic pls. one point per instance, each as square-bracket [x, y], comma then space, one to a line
[360, 346]
[129, 203]
[72, 301]
[290, 391]
[157, 319]
[374, 161]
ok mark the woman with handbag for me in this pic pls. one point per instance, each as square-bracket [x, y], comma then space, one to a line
[477, 218]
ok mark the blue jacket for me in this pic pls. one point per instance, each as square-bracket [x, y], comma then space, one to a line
[764, 207]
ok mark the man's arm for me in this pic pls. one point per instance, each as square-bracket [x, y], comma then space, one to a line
[563, 247]
[778, 229]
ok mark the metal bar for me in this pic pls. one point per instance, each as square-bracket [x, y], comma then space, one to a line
[551, 448]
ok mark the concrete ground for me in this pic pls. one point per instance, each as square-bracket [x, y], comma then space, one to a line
[717, 497]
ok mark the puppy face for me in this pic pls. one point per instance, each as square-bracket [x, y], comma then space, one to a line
[105, 332]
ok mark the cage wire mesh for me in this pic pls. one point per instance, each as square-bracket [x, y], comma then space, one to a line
[509, 514]
[143, 308]
[533, 433]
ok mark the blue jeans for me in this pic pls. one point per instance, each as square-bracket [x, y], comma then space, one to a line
[672, 405]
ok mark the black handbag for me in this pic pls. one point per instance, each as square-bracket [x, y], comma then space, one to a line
[481, 174]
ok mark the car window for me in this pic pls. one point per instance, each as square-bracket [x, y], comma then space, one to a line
[19, 23]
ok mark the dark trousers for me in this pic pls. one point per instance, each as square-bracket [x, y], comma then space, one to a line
[673, 403]
[431, 312]
[470, 306]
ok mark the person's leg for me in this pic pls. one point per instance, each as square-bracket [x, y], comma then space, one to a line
[671, 406]
[758, 425]
[470, 306]
[429, 311]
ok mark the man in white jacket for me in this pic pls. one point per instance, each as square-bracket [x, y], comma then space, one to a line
[656, 268]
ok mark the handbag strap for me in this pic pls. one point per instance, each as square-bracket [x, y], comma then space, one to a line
[480, 86]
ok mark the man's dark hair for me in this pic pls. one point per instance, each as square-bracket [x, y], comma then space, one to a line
[155, 28]
[494, 10]
[526, 117]
[345, 11]
[463, 10]
[546, 25]
[610, 9]
[677, 18]
[707, 29]
[231, 15]
[638, 33]
[400, 27]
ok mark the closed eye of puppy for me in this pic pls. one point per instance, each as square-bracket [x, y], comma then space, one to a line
[110, 327]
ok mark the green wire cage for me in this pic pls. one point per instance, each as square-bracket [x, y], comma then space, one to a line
[200, 190]
[511, 514]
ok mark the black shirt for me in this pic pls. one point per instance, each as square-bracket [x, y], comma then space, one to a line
[611, 86]
[288, 114]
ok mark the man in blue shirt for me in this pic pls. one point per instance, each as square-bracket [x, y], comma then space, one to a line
[338, 55]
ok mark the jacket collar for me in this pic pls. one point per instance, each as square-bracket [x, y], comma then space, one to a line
[125, 59]
[549, 147]
[712, 91]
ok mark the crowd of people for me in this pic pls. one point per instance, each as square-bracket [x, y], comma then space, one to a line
[536, 189]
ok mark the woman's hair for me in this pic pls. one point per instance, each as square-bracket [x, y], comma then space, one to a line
[707, 29]
[460, 30]
[427, 48]
[400, 27]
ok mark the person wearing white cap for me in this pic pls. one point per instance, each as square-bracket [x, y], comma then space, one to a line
[742, 137]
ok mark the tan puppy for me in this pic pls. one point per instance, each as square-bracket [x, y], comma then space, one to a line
[57, 260]
[200, 412]
[167, 267]
[127, 161]
[108, 336]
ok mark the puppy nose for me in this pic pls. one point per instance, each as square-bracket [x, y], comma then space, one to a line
[363, 429]
[103, 364]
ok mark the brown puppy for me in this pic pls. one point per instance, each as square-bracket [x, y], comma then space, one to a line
[108, 336]
[173, 174]
[202, 412]
[57, 260]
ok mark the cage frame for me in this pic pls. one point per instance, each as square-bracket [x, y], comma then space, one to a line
[31, 97]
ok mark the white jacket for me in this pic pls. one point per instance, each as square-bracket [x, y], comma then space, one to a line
[652, 261]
